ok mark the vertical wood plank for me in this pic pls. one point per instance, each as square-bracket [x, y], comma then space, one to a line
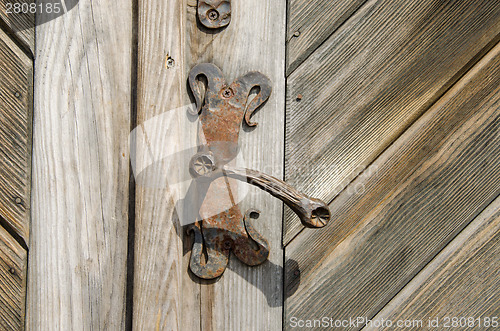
[77, 269]
[165, 298]
[13, 259]
[165, 295]
[250, 298]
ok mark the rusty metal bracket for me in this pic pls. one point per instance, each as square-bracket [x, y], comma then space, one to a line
[214, 14]
[222, 108]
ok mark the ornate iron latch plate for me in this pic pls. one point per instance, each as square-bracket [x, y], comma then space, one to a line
[222, 108]
[214, 14]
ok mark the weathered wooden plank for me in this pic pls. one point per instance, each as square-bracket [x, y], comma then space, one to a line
[13, 259]
[21, 24]
[250, 298]
[80, 202]
[310, 23]
[462, 281]
[165, 298]
[165, 294]
[16, 85]
[419, 194]
[369, 81]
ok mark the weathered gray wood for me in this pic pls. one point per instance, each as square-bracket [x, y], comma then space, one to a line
[16, 85]
[20, 24]
[462, 281]
[250, 298]
[13, 259]
[165, 295]
[165, 298]
[310, 23]
[433, 187]
[370, 80]
[78, 249]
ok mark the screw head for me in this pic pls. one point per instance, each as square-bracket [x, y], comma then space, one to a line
[227, 93]
[320, 217]
[202, 164]
[17, 95]
[12, 271]
[213, 15]
[227, 244]
[19, 201]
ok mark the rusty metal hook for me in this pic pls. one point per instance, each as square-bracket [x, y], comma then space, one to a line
[214, 14]
[222, 108]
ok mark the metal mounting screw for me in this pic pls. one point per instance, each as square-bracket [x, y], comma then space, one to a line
[227, 244]
[227, 93]
[19, 201]
[213, 15]
[202, 164]
[17, 95]
[12, 271]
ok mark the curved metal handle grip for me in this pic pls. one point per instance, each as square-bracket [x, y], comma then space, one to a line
[313, 213]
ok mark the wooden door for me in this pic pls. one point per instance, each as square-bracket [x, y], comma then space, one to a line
[387, 110]
[392, 116]
[108, 251]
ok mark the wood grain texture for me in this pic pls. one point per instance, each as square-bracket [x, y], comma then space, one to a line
[396, 216]
[22, 25]
[371, 80]
[310, 23]
[78, 250]
[166, 296]
[462, 281]
[16, 94]
[13, 260]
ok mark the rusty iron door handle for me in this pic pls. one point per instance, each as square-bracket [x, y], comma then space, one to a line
[214, 14]
[222, 108]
